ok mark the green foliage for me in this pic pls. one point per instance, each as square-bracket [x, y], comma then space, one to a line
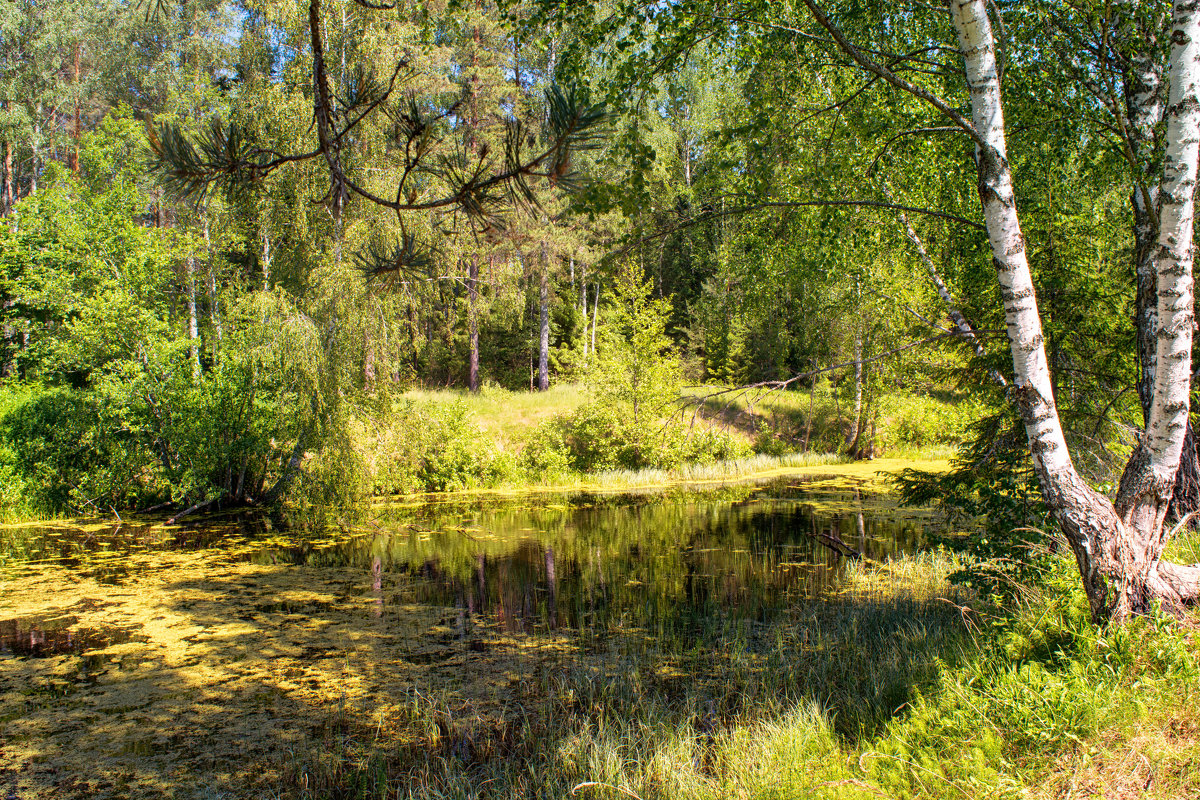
[631, 421]
[636, 371]
[73, 452]
[918, 420]
[1046, 679]
[420, 446]
[596, 438]
[992, 490]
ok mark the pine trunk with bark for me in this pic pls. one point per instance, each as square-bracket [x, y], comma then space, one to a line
[77, 126]
[9, 180]
[473, 323]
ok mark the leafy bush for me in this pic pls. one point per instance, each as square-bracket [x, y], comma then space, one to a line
[992, 489]
[595, 438]
[73, 452]
[921, 421]
[434, 447]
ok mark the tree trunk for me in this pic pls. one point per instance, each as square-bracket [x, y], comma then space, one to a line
[214, 301]
[473, 323]
[1117, 547]
[265, 261]
[1143, 81]
[193, 322]
[543, 373]
[77, 127]
[964, 328]
[583, 308]
[595, 314]
[856, 414]
[8, 344]
[9, 180]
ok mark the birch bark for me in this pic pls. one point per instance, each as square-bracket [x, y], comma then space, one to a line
[543, 373]
[193, 322]
[1117, 547]
[856, 415]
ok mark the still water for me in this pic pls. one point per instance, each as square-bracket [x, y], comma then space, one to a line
[132, 654]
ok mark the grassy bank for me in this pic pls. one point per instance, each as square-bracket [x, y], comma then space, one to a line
[785, 421]
[437, 441]
[902, 687]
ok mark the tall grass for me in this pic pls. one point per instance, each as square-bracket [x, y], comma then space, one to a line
[897, 688]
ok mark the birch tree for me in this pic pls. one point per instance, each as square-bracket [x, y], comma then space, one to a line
[1117, 543]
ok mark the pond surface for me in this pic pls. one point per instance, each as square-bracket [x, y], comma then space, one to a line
[139, 658]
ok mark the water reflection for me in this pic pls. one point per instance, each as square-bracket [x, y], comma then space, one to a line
[224, 642]
[41, 636]
[586, 563]
[597, 562]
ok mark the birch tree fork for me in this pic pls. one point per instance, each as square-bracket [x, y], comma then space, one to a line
[1117, 546]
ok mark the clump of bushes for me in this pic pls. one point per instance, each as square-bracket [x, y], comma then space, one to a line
[428, 447]
[596, 437]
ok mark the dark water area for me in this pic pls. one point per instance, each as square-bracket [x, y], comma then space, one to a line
[585, 562]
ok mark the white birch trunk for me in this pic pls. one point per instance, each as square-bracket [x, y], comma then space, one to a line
[193, 322]
[583, 308]
[595, 314]
[1145, 495]
[214, 302]
[964, 327]
[265, 264]
[1086, 517]
[1117, 555]
[856, 416]
[1144, 108]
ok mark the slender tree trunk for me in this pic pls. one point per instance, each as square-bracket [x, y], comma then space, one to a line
[543, 373]
[35, 144]
[8, 343]
[214, 300]
[595, 315]
[9, 179]
[77, 127]
[473, 323]
[193, 322]
[265, 261]
[583, 308]
[964, 328]
[856, 414]
[1117, 547]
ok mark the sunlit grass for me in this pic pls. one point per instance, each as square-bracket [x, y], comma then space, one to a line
[509, 416]
[1184, 548]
